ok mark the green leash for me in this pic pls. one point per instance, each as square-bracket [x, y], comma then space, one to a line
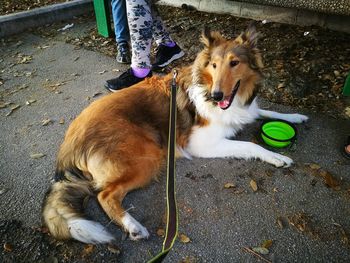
[172, 214]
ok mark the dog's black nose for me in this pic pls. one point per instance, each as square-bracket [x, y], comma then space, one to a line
[218, 95]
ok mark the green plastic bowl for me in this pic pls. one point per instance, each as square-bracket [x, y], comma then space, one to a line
[278, 133]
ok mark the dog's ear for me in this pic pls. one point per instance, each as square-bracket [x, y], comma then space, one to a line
[211, 38]
[249, 37]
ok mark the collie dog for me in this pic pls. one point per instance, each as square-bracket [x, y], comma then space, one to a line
[119, 142]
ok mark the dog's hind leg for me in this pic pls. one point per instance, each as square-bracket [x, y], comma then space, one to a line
[135, 170]
[293, 118]
[111, 201]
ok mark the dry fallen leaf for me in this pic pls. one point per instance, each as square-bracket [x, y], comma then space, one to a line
[24, 59]
[280, 222]
[29, 74]
[281, 85]
[184, 238]
[4, 104]
[347, 111]
[29, 102]
[43, 47]
[254, 185]
[37, 155]
[301, 222]
[189, 259]
[344, 237]
[229, 185]
[261, 250]
[314, 166]
[105, 43]
[88, 249]
[8, 247]
[45, 122]
[330, 180]
[161, 232]
[267, 243]
[114, 249]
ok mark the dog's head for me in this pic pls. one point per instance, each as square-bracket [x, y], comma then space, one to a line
[229, 69]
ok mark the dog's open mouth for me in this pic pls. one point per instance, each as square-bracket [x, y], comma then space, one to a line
[226, 103]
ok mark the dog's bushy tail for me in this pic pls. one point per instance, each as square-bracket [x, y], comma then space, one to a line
[63, 210]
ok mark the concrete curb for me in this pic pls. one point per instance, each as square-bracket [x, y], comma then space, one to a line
[19, 22]
[270, 13]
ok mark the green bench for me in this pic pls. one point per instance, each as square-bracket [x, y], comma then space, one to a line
[103, 18]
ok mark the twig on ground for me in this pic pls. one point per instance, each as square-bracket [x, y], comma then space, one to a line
[247, 249]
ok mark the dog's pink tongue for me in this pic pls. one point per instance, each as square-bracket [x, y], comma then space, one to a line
[224, 103]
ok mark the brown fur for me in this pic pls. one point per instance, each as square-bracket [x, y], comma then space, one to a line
[119, 142]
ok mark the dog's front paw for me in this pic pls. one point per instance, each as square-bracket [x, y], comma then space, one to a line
[279, 160]
[135, 229]
[297, 118]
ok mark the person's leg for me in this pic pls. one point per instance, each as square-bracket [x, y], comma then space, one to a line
[140, 23]
[120, 20]
[121, 30]
[144, 24]
[160, 33]
[167, 50]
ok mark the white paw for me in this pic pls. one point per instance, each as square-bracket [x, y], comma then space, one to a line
[135, 229]
[279, 160]
[138, 232]
[297, 118]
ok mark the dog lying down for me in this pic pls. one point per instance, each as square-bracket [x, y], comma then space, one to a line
[119, 142]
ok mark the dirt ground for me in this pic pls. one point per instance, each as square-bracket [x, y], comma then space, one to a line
[305, 68]
[14, 6]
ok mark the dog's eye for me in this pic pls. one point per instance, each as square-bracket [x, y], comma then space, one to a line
[234, 63]
[214, 65]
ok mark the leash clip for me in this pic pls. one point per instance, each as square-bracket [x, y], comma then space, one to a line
[174, 78]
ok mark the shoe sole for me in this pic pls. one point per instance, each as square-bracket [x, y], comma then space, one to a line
[123, 62]
[111, 90]
[175, 57]
[116, 90]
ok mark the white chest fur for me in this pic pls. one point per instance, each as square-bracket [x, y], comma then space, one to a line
[222, 123]
[229, 121]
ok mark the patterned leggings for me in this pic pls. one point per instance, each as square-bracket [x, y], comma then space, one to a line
[145, 24]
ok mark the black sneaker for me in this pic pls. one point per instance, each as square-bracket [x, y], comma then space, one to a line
[165, 55]
[123, 55]
[125, 80]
